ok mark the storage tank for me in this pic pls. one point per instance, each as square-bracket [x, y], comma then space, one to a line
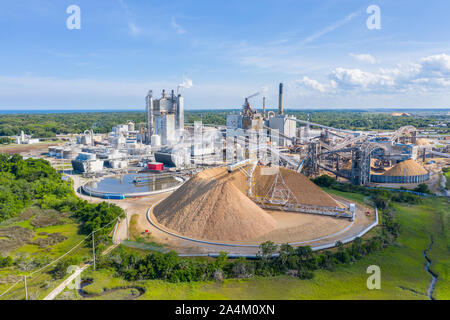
[59, 152]
[68, 154]
[156, 140]
[51, 151]
[86, 156]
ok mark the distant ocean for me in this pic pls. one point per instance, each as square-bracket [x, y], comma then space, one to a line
[412, 110]
[66, 111]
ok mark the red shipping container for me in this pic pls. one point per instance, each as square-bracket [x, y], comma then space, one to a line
[155, 166]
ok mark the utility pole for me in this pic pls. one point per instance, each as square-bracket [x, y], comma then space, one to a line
[126, 221]
[93, 248]
[25, 284]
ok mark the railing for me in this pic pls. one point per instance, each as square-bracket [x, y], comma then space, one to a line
[305, 208]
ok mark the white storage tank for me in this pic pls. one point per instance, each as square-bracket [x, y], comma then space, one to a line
[86, 156]
[156, 140]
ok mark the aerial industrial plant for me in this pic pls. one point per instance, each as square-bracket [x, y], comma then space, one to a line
[230, 183]
[162, 142]
[224, 150]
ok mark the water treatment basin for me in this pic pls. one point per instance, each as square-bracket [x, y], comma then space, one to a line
[132, 185]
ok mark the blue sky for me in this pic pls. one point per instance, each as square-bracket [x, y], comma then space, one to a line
[321, 50]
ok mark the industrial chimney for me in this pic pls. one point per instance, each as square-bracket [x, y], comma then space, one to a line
[264, 107]
[180, 112]
[280, 100]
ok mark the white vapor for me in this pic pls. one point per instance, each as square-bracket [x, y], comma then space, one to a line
[332, 27]
[364, 57]
[262, 91]
[187, 83]
[179, 29]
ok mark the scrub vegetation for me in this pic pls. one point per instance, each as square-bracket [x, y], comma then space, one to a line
[41, 218]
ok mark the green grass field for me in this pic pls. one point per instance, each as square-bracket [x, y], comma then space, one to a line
[403, 274]
[447, 176]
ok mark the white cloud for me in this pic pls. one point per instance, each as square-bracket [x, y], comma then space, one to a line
[134, 30]
[364, 57]
[437, 65]
[431, 73]
[311, 84]
[179, 29]
[353, 78]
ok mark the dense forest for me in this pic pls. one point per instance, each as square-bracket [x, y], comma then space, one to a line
[49, 125]
[33, 182]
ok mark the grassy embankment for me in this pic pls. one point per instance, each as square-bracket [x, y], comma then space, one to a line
[402, 269]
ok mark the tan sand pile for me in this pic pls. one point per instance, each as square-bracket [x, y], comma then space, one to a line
[212, 206]
[406, 168]
[423, 142]
[304, 190]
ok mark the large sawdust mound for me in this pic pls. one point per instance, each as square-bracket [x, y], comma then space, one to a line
[406, 168]
[213, 206]
[423, 142]
[304, 190]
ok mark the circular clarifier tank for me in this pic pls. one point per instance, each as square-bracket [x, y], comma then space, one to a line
[132, 185]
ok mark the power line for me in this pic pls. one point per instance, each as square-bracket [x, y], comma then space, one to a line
[56, 260]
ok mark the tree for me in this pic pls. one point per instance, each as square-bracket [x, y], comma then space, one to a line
[304, 252]
[422, 188]
[285, 252]
[267, 249]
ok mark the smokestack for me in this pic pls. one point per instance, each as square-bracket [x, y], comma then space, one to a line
[264, 107]
[280, 100]
[180, 112]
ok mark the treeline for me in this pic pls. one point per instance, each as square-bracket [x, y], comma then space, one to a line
[273, 260]
[35, 182]
[51, 124]
[363, 120]
[300, 262]
[381, 197]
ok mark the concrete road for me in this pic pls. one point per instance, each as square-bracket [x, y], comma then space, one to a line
[55, 292]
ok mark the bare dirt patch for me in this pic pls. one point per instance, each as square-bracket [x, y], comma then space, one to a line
[16, 238]
[50, 240]
[47, 218]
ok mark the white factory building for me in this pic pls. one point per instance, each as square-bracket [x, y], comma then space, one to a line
[165, 118]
